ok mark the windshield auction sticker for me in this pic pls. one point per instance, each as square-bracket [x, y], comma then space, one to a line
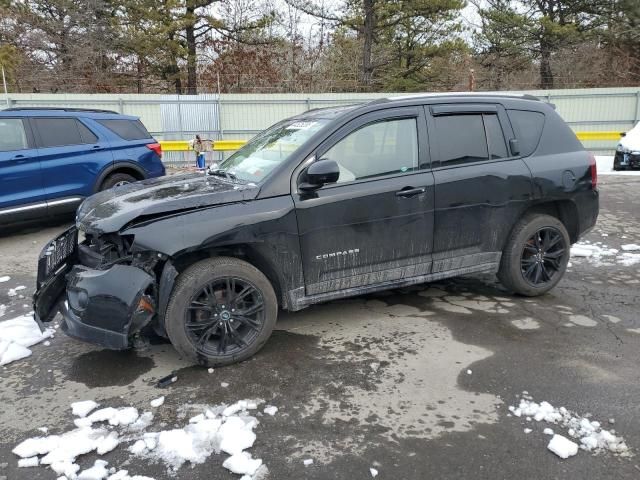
[301, 125]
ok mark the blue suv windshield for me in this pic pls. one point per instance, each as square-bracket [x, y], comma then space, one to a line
[267, 150]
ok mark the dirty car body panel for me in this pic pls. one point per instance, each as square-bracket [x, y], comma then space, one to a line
[424, 219]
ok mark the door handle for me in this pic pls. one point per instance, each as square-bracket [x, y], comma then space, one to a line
[96, 147]
[19, 157]
[410, 192]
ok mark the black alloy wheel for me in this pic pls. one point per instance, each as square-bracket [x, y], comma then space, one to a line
[542, 256]
[224, 316]
[222, 310]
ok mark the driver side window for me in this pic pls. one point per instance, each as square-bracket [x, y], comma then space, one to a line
[377, 149]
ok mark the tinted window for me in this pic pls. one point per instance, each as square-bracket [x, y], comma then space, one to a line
[87, 135]
[377, 149]
[127, 129]
[495, 137]
[528, 128]
[12, 135]
[461, 138]
[57, 132]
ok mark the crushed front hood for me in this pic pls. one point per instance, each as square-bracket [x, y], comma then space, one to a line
[110, 210]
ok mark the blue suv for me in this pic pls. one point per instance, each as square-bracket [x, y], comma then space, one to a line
[52, 158]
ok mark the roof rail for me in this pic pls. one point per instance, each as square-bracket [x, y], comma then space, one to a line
[63, 109]
[408, 96]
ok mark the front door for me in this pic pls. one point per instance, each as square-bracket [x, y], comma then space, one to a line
[376, 223]
[22, 195]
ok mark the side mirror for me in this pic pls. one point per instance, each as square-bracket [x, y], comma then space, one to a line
[623, 134]
[514, 147]
[320, 173]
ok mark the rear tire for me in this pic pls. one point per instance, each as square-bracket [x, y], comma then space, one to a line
[116, 179]
[535, 256]
[221, 311]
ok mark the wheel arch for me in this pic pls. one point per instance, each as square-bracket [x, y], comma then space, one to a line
[247, 252]
[564, 210]
[120, 166]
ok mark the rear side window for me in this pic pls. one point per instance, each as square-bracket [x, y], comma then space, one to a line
[127, 129]
[495, 137]
[57, 132]
[528, 129]
[12, 135]
[461, 138]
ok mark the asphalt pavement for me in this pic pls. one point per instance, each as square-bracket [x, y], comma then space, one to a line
[415, 383]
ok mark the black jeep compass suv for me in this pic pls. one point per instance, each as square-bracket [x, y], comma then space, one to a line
[329, 204]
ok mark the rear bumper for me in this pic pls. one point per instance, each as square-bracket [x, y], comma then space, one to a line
[588, 205]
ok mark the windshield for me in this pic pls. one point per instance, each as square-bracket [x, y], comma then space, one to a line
[267, 150]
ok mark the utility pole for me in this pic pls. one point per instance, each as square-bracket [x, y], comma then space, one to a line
[4, 82]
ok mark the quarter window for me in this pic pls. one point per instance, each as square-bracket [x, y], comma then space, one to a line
[127, 129]
[528, 128]
[12, 135]
[377, 149]
[87, 135]
[57, 132]
[461, 138]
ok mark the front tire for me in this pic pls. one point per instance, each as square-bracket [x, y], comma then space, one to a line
[535, 256]
[221, 311]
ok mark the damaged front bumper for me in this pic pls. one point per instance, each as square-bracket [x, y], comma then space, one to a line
[626, 159]
[105, 307]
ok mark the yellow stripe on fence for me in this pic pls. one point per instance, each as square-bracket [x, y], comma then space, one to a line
[599, 135]
[184, 146]
[230, 145]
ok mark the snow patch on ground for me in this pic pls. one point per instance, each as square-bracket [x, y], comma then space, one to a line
[270, 410]
[588, 434]
[14, 291]
[222, 428]
[562, 446]
[5, 279]
[82, 409]
[16, 335]
[628, 259]
[602, 254]
[527, 323]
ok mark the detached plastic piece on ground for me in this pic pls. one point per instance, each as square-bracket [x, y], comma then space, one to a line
[166, 381]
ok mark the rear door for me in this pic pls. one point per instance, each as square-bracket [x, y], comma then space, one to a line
[72, 156]
[481, 188]
[375, 224]
[22, 195]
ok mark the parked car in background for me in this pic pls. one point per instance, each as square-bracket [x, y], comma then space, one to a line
[329, 204]
[628, 150]
[53, 158]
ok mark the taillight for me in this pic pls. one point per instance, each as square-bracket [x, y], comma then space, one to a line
[594, 171]
[156, 147]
